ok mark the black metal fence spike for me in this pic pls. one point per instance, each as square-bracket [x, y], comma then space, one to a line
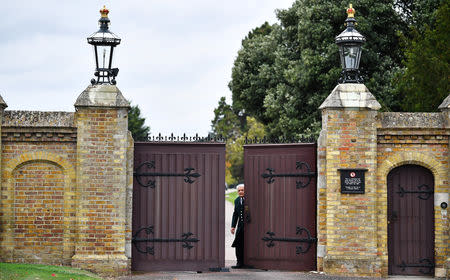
[209, 138]
[280, 140]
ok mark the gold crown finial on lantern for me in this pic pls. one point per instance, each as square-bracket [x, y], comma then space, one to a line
[104, 12]
[350, 11]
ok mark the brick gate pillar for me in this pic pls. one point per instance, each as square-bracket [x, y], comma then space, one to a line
[347, 223]
[444, 197]
[2, 110]
[6, 245]
[102, 142]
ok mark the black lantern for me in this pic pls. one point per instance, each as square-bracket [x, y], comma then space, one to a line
[104, 42]
[350, 42]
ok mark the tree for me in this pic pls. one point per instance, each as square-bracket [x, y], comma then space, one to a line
[418, 13]
[282, 76]
[424, 83]
[235, 126]
[226, 122]
[136, 124]
[235, 150]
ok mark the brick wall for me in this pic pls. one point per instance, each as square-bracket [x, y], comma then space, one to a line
[352, 228]
[38, 187]
[38, 212]
[66, 181]
[421, 139]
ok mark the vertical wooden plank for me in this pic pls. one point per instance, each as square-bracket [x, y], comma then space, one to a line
[278, 204]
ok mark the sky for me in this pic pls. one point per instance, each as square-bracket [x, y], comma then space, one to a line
[175, 58]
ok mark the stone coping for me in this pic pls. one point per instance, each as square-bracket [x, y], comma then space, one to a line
[38, 119]
[411, 120]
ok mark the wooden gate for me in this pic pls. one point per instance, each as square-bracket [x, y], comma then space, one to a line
[411, 221]
[280, 190]
[178, 206]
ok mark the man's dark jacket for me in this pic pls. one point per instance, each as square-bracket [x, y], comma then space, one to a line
[238, 219]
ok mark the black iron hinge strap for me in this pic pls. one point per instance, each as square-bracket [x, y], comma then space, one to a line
[299, 165]
[299, 249]
[186, 239]
[424, 191]
[188, 174]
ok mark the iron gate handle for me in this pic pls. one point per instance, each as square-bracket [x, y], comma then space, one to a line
[394, 216]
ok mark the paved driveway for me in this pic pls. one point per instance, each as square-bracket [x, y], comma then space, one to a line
[243, 274]
[251, 274]
[230, 255]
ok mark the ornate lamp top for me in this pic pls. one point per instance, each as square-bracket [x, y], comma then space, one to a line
[104, 12]
[350, 11]
[104, 35]
[350, 33]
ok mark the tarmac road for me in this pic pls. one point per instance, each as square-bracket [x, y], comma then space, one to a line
[241, 274]
[250, 274]
[234, 274]
[230, 256]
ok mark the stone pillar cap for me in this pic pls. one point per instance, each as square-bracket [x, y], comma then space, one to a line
[445, 104]
[2, 103]
[350, 96]
[102, 95]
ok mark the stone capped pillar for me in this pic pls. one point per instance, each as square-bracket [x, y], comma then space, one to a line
[102, 142]
[2, 110]
[6, 245]
[445, 109]
[347, 223]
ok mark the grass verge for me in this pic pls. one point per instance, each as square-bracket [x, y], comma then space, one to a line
[22, 271]
[231, 196]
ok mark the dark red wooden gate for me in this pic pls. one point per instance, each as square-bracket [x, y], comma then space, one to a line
[280, 187]
[411, 221]
[178, 206]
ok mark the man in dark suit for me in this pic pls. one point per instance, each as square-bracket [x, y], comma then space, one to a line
[238, 218]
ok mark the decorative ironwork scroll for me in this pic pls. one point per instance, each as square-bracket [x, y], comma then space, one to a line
[188, 174]
[425, 263]
[299, 249]
[186, 239]
[423, 194]
[270, 176]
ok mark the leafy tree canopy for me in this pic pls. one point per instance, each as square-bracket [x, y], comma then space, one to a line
[424, 83]
[283, 73]
[235, 126]
[136, 124]
[226, 122]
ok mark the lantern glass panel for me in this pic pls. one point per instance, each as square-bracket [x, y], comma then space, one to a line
[104, 57]
[351, 55]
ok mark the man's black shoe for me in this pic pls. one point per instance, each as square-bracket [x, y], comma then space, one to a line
[237, 266]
